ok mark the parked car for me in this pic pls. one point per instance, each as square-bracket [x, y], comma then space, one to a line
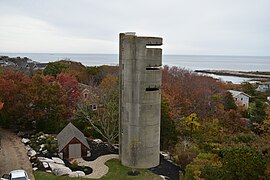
[16, 175]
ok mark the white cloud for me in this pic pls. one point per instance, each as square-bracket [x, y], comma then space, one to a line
[26, 34]
[223, 27]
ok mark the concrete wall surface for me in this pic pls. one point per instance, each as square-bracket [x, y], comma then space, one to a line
[140, 100]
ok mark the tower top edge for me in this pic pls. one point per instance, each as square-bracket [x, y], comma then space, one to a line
[134, 34]
[130, 33]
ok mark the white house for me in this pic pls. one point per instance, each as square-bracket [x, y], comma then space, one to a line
[240, 98]
[264, 87]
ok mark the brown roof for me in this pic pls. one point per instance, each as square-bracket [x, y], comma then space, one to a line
[67, 134]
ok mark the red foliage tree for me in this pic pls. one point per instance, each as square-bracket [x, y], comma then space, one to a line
[50, 106]
[41, 102]
[70, 85]
[14, 91]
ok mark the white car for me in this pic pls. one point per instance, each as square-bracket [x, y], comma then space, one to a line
[16, 175]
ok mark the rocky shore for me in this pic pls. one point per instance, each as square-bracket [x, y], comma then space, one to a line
[255, 74]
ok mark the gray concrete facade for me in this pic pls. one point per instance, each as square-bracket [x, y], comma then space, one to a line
[140, 100]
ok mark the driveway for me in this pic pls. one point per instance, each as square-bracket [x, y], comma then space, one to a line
[13, 154]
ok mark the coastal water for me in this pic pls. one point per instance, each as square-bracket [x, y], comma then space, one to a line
[191, 62]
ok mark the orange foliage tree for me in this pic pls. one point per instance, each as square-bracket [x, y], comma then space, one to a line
[189, 92]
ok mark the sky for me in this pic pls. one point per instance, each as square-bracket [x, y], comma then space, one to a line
[189, 27]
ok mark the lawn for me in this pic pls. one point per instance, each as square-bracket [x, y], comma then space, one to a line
[47, 176]
[116, 171]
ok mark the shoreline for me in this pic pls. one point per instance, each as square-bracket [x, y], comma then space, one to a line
[250, 74]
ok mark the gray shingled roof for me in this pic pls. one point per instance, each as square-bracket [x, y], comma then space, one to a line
[236, 93]
[41, 65]
[67, 134]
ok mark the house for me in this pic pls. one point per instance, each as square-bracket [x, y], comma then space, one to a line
[89, 95]
[240, 98]
[41, 66]
[31, 65]
[21, 63]
[2, 63]
[6, 63]
[72, 143]
[264, 87]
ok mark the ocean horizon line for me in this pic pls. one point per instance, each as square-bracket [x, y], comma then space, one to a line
[213, 55]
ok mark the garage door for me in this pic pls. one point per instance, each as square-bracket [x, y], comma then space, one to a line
[74, 150]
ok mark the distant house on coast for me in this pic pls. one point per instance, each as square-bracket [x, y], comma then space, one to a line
[241, 99]
[22, 63]
[6, 63]
[2, 63]
[40, 66]
[72, 143]
[264, 87]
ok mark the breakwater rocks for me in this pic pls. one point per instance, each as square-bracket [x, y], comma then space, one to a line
[251, 74]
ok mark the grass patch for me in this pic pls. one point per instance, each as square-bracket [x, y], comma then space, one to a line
[116, 171]
[120, 171]
[47, 176]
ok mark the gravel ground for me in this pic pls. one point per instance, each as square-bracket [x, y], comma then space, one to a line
[99, 149]
[13, 154]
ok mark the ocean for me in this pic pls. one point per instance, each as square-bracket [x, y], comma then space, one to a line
[191, 62]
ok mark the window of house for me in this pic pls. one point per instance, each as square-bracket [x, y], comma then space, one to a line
[85, 95]
[94, 107]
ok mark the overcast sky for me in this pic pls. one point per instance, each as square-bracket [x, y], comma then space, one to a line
[210, 27]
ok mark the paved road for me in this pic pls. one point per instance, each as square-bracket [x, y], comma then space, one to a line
[13, 154]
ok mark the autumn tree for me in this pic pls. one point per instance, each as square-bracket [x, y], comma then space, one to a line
[242, 163]
[192, 122]
[104, 120]
[14, 92]
[168, 133]
[228, 101]
[188, 92]
[256, 111]
[204, 166]
[54, 68]
[49, 107]
[70, 85]
[94, 75]
[1, 105]
[248, 88]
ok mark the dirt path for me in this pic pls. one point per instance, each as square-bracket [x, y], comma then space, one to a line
[13, 154]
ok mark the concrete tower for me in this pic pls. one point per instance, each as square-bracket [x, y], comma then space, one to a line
[140, 100]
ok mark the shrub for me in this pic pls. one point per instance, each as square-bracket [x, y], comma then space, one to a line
[205, 165]
[242, 163]
[49, 142]
[185, 158]
[244, 138]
